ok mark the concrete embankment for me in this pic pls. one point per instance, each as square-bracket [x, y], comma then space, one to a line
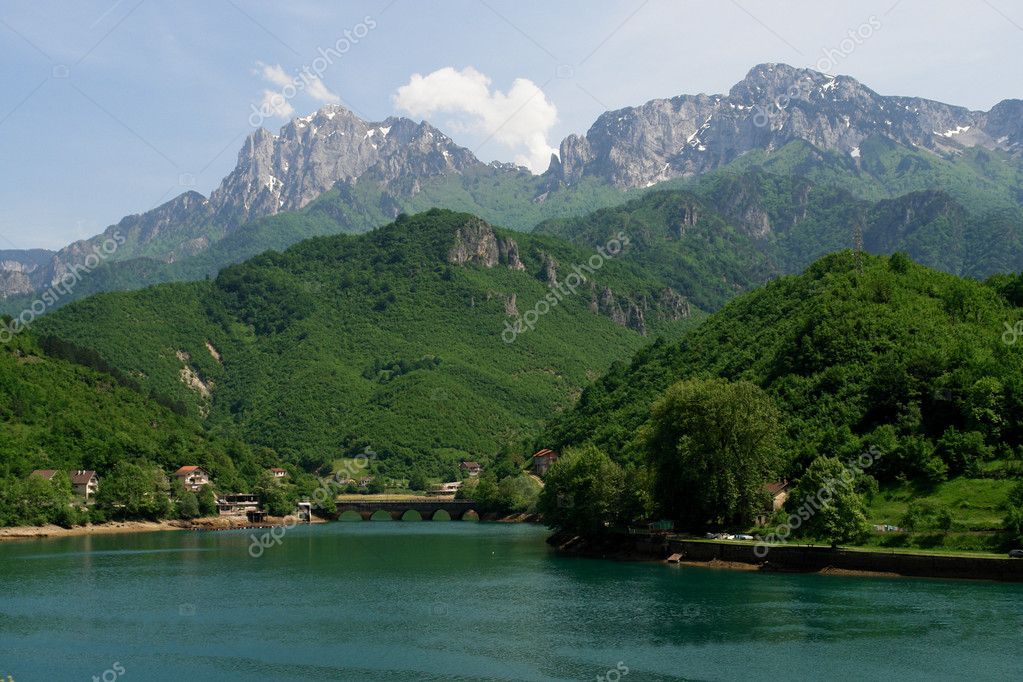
[794, 558]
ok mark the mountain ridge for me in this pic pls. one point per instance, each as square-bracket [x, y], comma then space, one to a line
[398, 165]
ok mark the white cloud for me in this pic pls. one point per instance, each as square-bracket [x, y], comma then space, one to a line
[274, 104]
[519, 119]
[278, 102]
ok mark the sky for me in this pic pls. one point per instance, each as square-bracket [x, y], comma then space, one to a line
[112, 107]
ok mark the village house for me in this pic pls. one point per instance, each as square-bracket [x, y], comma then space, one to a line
[237, 504]
[471, 468]
[775, 495]
[364, 482]
[192, 477]
[445, 488]
[542, 461]
[85, 483]
[277, 472]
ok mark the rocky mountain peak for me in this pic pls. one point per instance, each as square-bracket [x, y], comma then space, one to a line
[311, 153]
[773, 105]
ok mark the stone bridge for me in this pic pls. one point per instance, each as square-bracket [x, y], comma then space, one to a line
[397, 507]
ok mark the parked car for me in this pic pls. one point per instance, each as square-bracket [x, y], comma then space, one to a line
[743, 536]
[1016, 553]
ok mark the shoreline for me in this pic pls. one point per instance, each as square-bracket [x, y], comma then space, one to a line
[212, 523]
[131, 527]
[789, 559]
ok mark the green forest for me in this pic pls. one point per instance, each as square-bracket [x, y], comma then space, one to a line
[859, 354]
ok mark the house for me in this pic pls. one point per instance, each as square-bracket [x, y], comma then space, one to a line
[542, 461]
[777, 492]
[238, 503]
[471, 468]
[277, 472]
[192, 477]
[364, 482]
[85, 483]
[445, 488]
[775, 495]
[48, 474]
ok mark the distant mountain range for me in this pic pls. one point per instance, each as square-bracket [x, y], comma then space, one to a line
[331, 171]
[774, 105]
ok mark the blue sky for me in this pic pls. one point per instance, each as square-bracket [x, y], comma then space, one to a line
[111, 107]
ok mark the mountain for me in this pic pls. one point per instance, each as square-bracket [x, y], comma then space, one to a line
[772, 106]
[433, 339]
[856, 353]
[361, 174]
[17, 269]
[311, 154]
[379, 169]
[275, 173]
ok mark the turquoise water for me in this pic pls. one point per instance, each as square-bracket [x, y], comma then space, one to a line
[468, 601]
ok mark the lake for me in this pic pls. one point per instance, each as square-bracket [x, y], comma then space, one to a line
[469, 601]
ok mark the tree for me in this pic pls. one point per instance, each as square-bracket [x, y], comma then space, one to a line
[581, 492]
[712, 445]
[826, 504]
[918, 516]
[207, 501]
[1014, 519]
[276, 499]
[943, 520]
[484, 492]
[36, 501]
[636, 503]
[417, 481]
[963, 452]
[518, 493]
[135, 491]
[188, 505]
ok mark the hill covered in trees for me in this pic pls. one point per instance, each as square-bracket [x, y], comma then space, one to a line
[63, 408]
[919, 368]
[435, 339]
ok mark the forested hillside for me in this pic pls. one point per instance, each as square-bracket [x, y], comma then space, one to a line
[915, 375]
[403, 340]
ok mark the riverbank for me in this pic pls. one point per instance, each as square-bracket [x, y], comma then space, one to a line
[790, 558]
[127, 527]
[114, 527]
